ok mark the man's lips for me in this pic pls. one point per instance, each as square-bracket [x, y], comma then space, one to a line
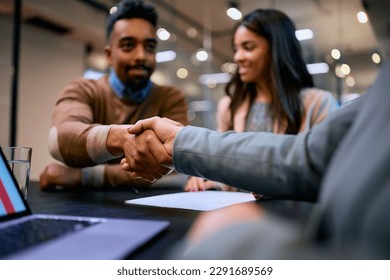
[139, 70]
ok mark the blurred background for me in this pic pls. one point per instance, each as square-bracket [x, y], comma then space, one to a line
[344, 43]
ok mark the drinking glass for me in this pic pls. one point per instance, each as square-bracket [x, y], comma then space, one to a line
[19, 160]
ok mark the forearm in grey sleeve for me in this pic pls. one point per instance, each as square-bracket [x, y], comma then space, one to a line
[288, 166]
[266, 163]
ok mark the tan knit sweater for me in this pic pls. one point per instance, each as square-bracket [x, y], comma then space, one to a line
[83, 115]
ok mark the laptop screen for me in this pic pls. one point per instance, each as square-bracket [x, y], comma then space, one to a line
[11, 201]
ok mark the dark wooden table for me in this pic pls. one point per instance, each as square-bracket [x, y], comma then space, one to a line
[110, 203]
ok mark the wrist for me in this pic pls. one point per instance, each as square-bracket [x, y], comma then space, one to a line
[116, 139]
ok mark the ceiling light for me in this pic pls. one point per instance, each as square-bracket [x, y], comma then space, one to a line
[219, 78]
[229, 67]
[233, 12]
[317, 68]
[335, 53]
[92, 74]
[201, 105]
[165, 56]
[163, 34]
[182, 73]
[376, 58]
[211, 83]
[113, 10]
[97, 60]
[304, 34]
[192, 32]
[350, 81]
[362, 17]
[160, 78]
[345, 69]
[338, 72]
[342, 70]
[201, 55]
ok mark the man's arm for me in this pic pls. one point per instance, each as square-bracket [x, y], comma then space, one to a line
[77, 137]
[274, 165]
[271, 164]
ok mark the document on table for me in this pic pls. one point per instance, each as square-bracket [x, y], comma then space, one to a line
[202, 201]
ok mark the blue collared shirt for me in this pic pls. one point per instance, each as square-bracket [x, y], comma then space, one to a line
[122, 91]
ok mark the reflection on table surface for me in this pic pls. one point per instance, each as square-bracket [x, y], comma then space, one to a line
[110, 203]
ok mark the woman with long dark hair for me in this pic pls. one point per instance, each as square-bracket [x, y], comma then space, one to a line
[271, 89]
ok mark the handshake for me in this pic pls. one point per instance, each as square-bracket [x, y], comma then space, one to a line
[148, 152]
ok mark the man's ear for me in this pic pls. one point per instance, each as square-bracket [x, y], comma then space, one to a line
[107, 51]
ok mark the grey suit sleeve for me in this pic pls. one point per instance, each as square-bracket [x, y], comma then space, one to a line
[285, 166]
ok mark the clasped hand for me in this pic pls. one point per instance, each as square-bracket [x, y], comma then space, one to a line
[149, 153]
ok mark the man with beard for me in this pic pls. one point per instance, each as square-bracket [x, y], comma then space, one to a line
[91, 117]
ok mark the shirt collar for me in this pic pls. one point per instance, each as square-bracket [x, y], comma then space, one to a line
[124, 92]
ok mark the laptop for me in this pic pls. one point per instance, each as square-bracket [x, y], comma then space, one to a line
[24, 235]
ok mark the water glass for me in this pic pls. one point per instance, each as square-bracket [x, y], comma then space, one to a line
[19, 160]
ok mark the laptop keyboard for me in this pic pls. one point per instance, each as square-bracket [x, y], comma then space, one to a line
[33, 232]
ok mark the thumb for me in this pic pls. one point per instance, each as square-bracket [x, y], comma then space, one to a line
[140, 126]
[173, 122]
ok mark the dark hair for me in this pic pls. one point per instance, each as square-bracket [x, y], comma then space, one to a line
[132, 9]
[288, 70]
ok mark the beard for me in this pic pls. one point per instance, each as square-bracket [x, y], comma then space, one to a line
[138, 82]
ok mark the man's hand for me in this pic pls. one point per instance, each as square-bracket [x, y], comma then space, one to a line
[144, 156]
[150, 154]
[116, 139]
[195, 184]
[59, 175]
[212, 222]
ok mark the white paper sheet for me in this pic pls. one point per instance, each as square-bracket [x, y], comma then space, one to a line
[202, 201]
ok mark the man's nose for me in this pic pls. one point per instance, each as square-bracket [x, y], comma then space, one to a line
[140, 52]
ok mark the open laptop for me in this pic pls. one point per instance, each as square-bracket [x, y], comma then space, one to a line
[64, 237]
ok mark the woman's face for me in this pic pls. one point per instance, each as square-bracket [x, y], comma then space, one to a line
[252, 55]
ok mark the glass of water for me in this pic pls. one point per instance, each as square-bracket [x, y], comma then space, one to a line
[19, 160]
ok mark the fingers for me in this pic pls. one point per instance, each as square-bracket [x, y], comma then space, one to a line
[125, 165]
[145, 156]
[43, 180]
[143, 125]
[150, 154]
[136, 174]
[140, 164]
[59, 175]
[151, 123]
[48, 178]
[195, 184]
[164, 128]
[157, 156]
[143, 175]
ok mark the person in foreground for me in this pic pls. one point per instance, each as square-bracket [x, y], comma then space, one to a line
[271, 89]
[90, 119]
[341, 164]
